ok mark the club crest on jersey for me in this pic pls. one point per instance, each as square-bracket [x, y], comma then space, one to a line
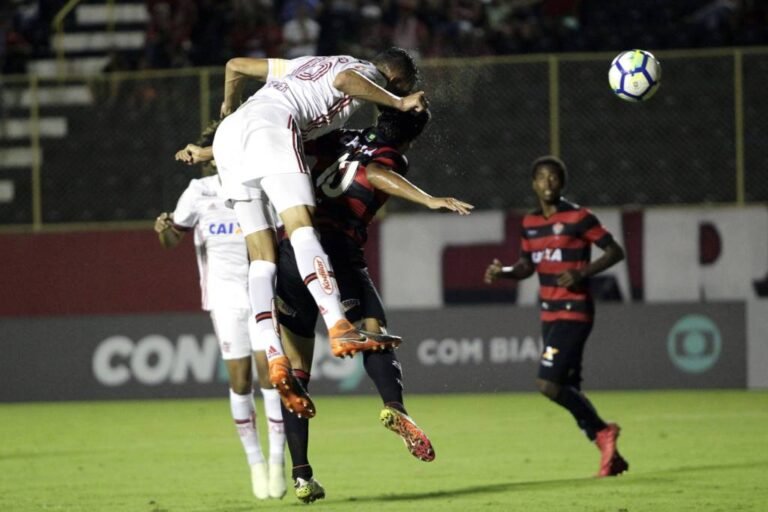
[558, 228]
[548, 355]
[323, 276]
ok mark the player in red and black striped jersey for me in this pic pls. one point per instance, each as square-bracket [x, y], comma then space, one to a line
[355, 173]
[556, 244]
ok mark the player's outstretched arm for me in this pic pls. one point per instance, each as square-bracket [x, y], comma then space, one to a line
[355, 85]
[168, 235]
[192, 154]
[387, 180]
[237, 71]
[522, 269]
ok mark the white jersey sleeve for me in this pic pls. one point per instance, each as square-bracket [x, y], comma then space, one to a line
[304, 88]
[186, 214]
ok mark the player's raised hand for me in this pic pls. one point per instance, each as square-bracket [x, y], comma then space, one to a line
[493, 271]
[451, 203]
[163, 222]
[416, 102]
[192, 154]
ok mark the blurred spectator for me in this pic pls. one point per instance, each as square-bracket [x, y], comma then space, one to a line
[255, 32]
[16, 50]
[208, 32]
[169, 32]
[300, 33]
[409, 31]
[291, 9]
[715, 15]
[374, 33]
[339, 29]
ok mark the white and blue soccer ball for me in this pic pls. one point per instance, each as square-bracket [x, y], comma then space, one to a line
[635, 75]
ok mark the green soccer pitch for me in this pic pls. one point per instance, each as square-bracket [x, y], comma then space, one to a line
[688, 451]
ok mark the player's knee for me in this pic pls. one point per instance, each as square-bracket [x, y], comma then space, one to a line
[296, 217]
[548, 388]
[263, 379]
[261, 246]
[240, 385]
[240, 376]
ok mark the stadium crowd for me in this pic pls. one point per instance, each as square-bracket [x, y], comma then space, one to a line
[183, 33]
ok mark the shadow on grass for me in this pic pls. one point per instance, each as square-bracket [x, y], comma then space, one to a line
[641, 478]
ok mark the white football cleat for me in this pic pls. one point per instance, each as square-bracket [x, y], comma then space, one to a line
[277, 488]
[260, 480]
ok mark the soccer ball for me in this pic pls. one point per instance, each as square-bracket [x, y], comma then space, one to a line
[635, 75]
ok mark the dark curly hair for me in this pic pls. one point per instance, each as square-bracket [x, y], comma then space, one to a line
[395, 128]
[205, 140]
[206, 137]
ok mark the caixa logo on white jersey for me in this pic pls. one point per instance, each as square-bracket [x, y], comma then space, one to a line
[224, 228]
[155, 359]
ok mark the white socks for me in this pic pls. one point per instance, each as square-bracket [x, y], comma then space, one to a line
[245, 420]
[244, 414]
[316, 270]
[261, 291]
[276, 426]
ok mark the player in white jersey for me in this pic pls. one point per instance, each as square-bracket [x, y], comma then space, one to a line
[222, 262]
[259, 152]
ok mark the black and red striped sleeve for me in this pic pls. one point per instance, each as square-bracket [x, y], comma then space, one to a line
[593, 231]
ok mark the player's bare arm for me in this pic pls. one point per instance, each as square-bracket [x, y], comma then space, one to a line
[237, 71]
[385, 179]
[357, 86]
[522, 269]
[168, 235]
[192, 154]
[612, 254]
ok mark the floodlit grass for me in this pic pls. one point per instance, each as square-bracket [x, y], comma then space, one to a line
[688, 451]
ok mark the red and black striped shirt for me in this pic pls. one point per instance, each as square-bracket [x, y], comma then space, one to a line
[559, 243]
[346, 200]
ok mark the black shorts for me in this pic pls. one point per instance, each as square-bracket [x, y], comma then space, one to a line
[297, 309]
[561, 357]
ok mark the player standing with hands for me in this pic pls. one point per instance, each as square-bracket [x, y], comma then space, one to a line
[223, 267]
[556, 244]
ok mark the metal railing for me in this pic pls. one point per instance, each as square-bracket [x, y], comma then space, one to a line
[57, 24]
[701, 139]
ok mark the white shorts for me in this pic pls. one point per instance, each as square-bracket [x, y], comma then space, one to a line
[253, 215]
[258, 151]
[236, 331]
